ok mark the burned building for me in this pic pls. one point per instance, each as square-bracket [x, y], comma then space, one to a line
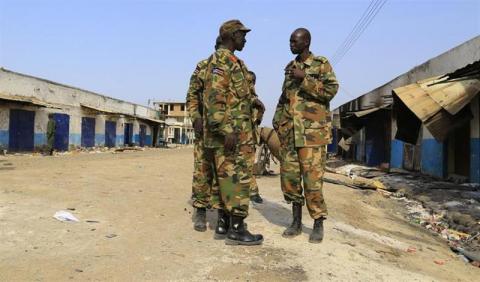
[425, 120]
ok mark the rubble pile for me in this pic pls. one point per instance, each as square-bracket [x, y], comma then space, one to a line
[450, 210]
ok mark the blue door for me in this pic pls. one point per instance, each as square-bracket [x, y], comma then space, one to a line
[128, 134]
[88, 132]
[110, 133]
[143, 135]
[62, 130]
[20, 132]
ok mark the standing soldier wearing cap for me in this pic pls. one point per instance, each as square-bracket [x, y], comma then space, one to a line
[228, 131]
[301, 122]
[203, 178]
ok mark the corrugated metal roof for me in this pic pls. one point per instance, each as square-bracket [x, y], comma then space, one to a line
[120, 113]
[438, 102]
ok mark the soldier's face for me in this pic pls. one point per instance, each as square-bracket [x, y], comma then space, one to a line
[298, 43]
[239, 40]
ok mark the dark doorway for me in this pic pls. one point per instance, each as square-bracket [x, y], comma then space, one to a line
[176, 135]
[128, 134]
[21, 129]
[62, 131]
[461, 149]
[110, 133]
[88, 132]
[143, 135]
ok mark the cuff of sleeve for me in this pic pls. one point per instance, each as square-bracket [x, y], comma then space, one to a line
[226, 129]
[194, 116]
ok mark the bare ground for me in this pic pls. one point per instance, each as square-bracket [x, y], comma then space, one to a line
[141, 228]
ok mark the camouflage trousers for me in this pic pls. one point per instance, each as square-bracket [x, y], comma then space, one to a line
[204, 183]
[234, 172]
[253, 182]
[305, 165]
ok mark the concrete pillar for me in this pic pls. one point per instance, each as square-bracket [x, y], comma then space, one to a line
[434, 155]
[136, 132]
[40, 128]
[475, 141]
[4, 124]
[396, 148]
[75, 130]
[100, 130]
[119, 139]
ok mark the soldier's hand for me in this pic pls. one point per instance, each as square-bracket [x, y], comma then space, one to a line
[295, 73]
[198, 126]
[230, 142]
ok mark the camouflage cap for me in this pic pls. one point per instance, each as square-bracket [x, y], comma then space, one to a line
[229, 27]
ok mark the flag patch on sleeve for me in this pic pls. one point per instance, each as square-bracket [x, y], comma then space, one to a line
[217, 71]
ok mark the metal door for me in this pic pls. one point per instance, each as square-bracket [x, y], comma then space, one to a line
[62, 131]
[110, 133]
[128, 134]
[143, 135]
[21, 130]
[88, 132]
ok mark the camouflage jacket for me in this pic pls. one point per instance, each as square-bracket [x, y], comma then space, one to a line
[195, 91]
[303, 106]
[227, 100]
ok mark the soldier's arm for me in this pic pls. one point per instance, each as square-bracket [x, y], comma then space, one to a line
[279, 109]
[219, 119]
[195, 89]
[324, 87]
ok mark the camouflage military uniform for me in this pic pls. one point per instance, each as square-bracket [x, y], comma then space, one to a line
[256, 119]
[203, 183]
[227, 109]
[301, 122]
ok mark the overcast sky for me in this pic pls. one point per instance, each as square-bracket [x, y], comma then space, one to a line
[141, 50]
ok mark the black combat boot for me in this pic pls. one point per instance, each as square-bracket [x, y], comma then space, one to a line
[200, 220]
[238, 235]
[317, 233]
[256, 199]
[222, 225]
[296, 227]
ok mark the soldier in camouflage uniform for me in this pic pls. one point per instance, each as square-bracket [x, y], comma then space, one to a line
[228, 132]
[257, 113]
[301, 124]
[203, 183]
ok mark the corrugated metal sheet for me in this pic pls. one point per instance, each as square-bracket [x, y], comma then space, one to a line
[438, 103]
[368, 111]
[118, 113]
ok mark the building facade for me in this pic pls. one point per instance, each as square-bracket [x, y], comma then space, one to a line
[408, 124]
[82, 118]
[178, 129]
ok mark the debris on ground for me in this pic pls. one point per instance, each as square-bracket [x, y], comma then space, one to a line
[451, 210]
[65, 216]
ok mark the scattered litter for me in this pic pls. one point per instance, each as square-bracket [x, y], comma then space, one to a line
[92, 221]
[411, 250]
[439, 262]
[78, 270]
[65, 216]
[71, 209]
[111, 236]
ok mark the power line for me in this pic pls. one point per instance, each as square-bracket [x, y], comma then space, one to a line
[347, 39]
[367, 17]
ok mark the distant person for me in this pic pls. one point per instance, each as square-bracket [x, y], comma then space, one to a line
[203, 178]
[257, 114]
[301, 122]
[51, 129]
[228, 103]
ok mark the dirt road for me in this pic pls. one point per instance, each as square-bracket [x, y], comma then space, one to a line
[136, 224]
